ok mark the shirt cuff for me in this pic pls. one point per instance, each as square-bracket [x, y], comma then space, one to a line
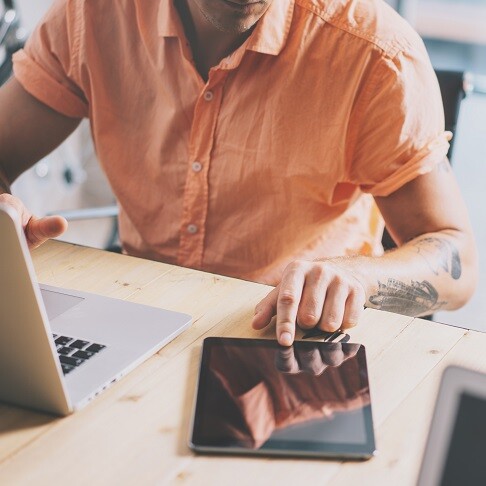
[37, 82]
[422, 163]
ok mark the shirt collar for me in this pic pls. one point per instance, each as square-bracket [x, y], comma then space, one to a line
[269, 36]
[168, 19]
[272, 30]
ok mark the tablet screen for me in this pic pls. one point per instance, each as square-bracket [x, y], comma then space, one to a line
[255, 396]
[465, 458]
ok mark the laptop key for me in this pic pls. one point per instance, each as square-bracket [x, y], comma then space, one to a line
[70, 361]
[79, 344]
[83, 354]
[66, 351]
[63, 340]
[66, 368]
[95, 348]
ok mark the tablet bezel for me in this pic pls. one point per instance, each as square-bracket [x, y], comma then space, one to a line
[308, 449]
[455, 382]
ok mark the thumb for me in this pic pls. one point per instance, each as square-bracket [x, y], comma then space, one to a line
[38, 230]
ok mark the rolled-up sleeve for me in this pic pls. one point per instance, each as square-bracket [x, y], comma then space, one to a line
[401, 124]
[48, 66]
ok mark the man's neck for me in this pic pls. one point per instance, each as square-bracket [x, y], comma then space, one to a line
[209, 45]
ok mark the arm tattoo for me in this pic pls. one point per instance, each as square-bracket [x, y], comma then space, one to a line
[440, 254]
[420, 298]
[416, 299]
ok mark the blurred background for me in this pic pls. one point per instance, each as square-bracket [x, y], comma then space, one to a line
[454, 32]
[70, 177]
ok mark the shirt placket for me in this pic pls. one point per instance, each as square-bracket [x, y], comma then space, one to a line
[196, 191]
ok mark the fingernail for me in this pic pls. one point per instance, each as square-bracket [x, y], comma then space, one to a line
[286, 339]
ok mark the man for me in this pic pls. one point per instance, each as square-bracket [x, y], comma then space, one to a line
[253, 138]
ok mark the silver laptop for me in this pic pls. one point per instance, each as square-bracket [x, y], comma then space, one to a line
[456, 446]
[60, 348]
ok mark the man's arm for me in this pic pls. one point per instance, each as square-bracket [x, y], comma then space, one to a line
[435, 266]
[29, 130]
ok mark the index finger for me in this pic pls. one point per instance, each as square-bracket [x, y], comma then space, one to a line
[288, 300]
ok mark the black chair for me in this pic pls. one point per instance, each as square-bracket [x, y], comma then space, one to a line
[12, 38]
[454, 87]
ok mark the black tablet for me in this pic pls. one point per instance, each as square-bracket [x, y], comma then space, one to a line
[257, 397]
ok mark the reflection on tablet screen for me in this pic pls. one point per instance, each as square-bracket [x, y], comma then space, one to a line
[312, 398]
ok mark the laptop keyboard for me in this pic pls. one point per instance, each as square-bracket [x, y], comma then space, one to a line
[73, 352]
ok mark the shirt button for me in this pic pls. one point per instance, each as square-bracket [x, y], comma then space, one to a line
[196, 166]
[192, 229]
[208, 95]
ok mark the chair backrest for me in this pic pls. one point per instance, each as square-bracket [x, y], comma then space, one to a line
[454, 86]
[12, 38]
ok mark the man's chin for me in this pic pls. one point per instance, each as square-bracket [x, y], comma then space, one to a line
[233, 28]
[234, 22]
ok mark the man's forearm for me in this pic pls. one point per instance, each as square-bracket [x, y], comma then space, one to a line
[435, 271]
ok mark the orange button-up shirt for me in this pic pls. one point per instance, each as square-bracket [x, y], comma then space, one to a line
[276, 157]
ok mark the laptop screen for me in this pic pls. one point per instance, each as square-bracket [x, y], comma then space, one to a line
[466, 460]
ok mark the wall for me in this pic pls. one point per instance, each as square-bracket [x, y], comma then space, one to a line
[31, 11]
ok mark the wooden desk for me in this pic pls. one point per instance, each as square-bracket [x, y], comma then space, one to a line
[136, 432]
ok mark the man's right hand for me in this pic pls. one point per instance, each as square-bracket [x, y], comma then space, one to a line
[37, 230]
